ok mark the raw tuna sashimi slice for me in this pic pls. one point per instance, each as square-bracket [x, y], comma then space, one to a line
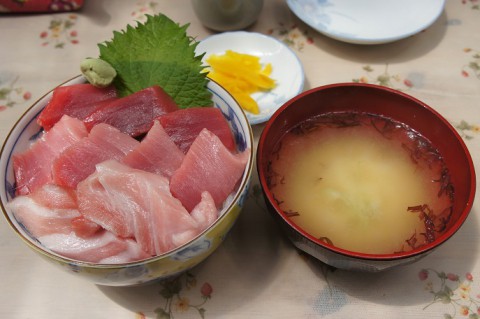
[133, 253]
[77, 100]
[96, 208]
[208, 166]
[172, 225]
[41, 216]
[33, 168]
[113, 206]
[206, 212]
[137, 204]
[135, 113]
[54, 196]
[157, 153]
[102, 247]
[84, 228]
[78, 161]
[184, 125]
[49, 215]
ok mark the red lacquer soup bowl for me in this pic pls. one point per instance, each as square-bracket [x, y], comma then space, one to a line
[357, 98]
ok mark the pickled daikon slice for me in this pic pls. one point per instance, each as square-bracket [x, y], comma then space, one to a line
[241, 75]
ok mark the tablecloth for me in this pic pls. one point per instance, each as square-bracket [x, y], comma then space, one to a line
[256, 272]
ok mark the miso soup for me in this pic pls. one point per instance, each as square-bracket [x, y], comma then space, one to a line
[361, 182]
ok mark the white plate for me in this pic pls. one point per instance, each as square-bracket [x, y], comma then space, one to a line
[368, 21]
[287, 70]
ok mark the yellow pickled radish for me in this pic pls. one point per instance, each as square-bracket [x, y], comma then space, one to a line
[241, 75]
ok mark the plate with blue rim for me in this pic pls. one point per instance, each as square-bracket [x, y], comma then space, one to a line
[368, 21]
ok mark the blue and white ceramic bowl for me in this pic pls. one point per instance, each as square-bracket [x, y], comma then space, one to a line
[174, 262]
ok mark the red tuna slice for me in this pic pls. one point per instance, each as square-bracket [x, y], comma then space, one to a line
[208, 166]
[157, 153]
[135, 113]
[33, 168]
[206, 212]
[77, 100]
[137, 204]
[184, 125]
[78, 161]
[104, 247]
[43, 217]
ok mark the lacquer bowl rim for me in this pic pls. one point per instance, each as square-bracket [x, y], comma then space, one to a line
[321, 245]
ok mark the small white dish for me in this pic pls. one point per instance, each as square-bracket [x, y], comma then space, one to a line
[287, 69]
[368, 21]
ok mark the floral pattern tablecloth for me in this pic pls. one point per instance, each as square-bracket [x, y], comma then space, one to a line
[256, 273]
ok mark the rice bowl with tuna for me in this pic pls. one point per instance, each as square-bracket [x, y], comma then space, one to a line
[153, 254]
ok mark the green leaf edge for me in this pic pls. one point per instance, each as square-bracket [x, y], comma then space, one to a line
[126, 83]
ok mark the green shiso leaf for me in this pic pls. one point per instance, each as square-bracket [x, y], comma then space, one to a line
[158, 52]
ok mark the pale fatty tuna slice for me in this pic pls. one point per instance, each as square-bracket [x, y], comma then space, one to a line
[48, 213]
[103, 247]
[55, 196]
[206, 212]
[48, 210]
[136, 204]
[33, 168]
[104, 142]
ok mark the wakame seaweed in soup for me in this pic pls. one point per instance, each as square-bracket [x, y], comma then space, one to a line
[361, 182]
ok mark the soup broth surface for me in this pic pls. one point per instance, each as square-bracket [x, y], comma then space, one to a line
[364, 183]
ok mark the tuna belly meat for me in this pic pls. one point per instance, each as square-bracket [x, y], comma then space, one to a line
[48, 210]
[84, 228]
[133, 114]
[208, 166]
[104, 247]
[171, 224]
[206, 212]
[49, 215]
[183, 126]
[33, 168]
[77, 100]
[157, 153]
[112, 196]
[136, 204]
[54, 196]
[104, 142]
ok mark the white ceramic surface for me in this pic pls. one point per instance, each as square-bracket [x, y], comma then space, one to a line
[368, 21]
[287, 69]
